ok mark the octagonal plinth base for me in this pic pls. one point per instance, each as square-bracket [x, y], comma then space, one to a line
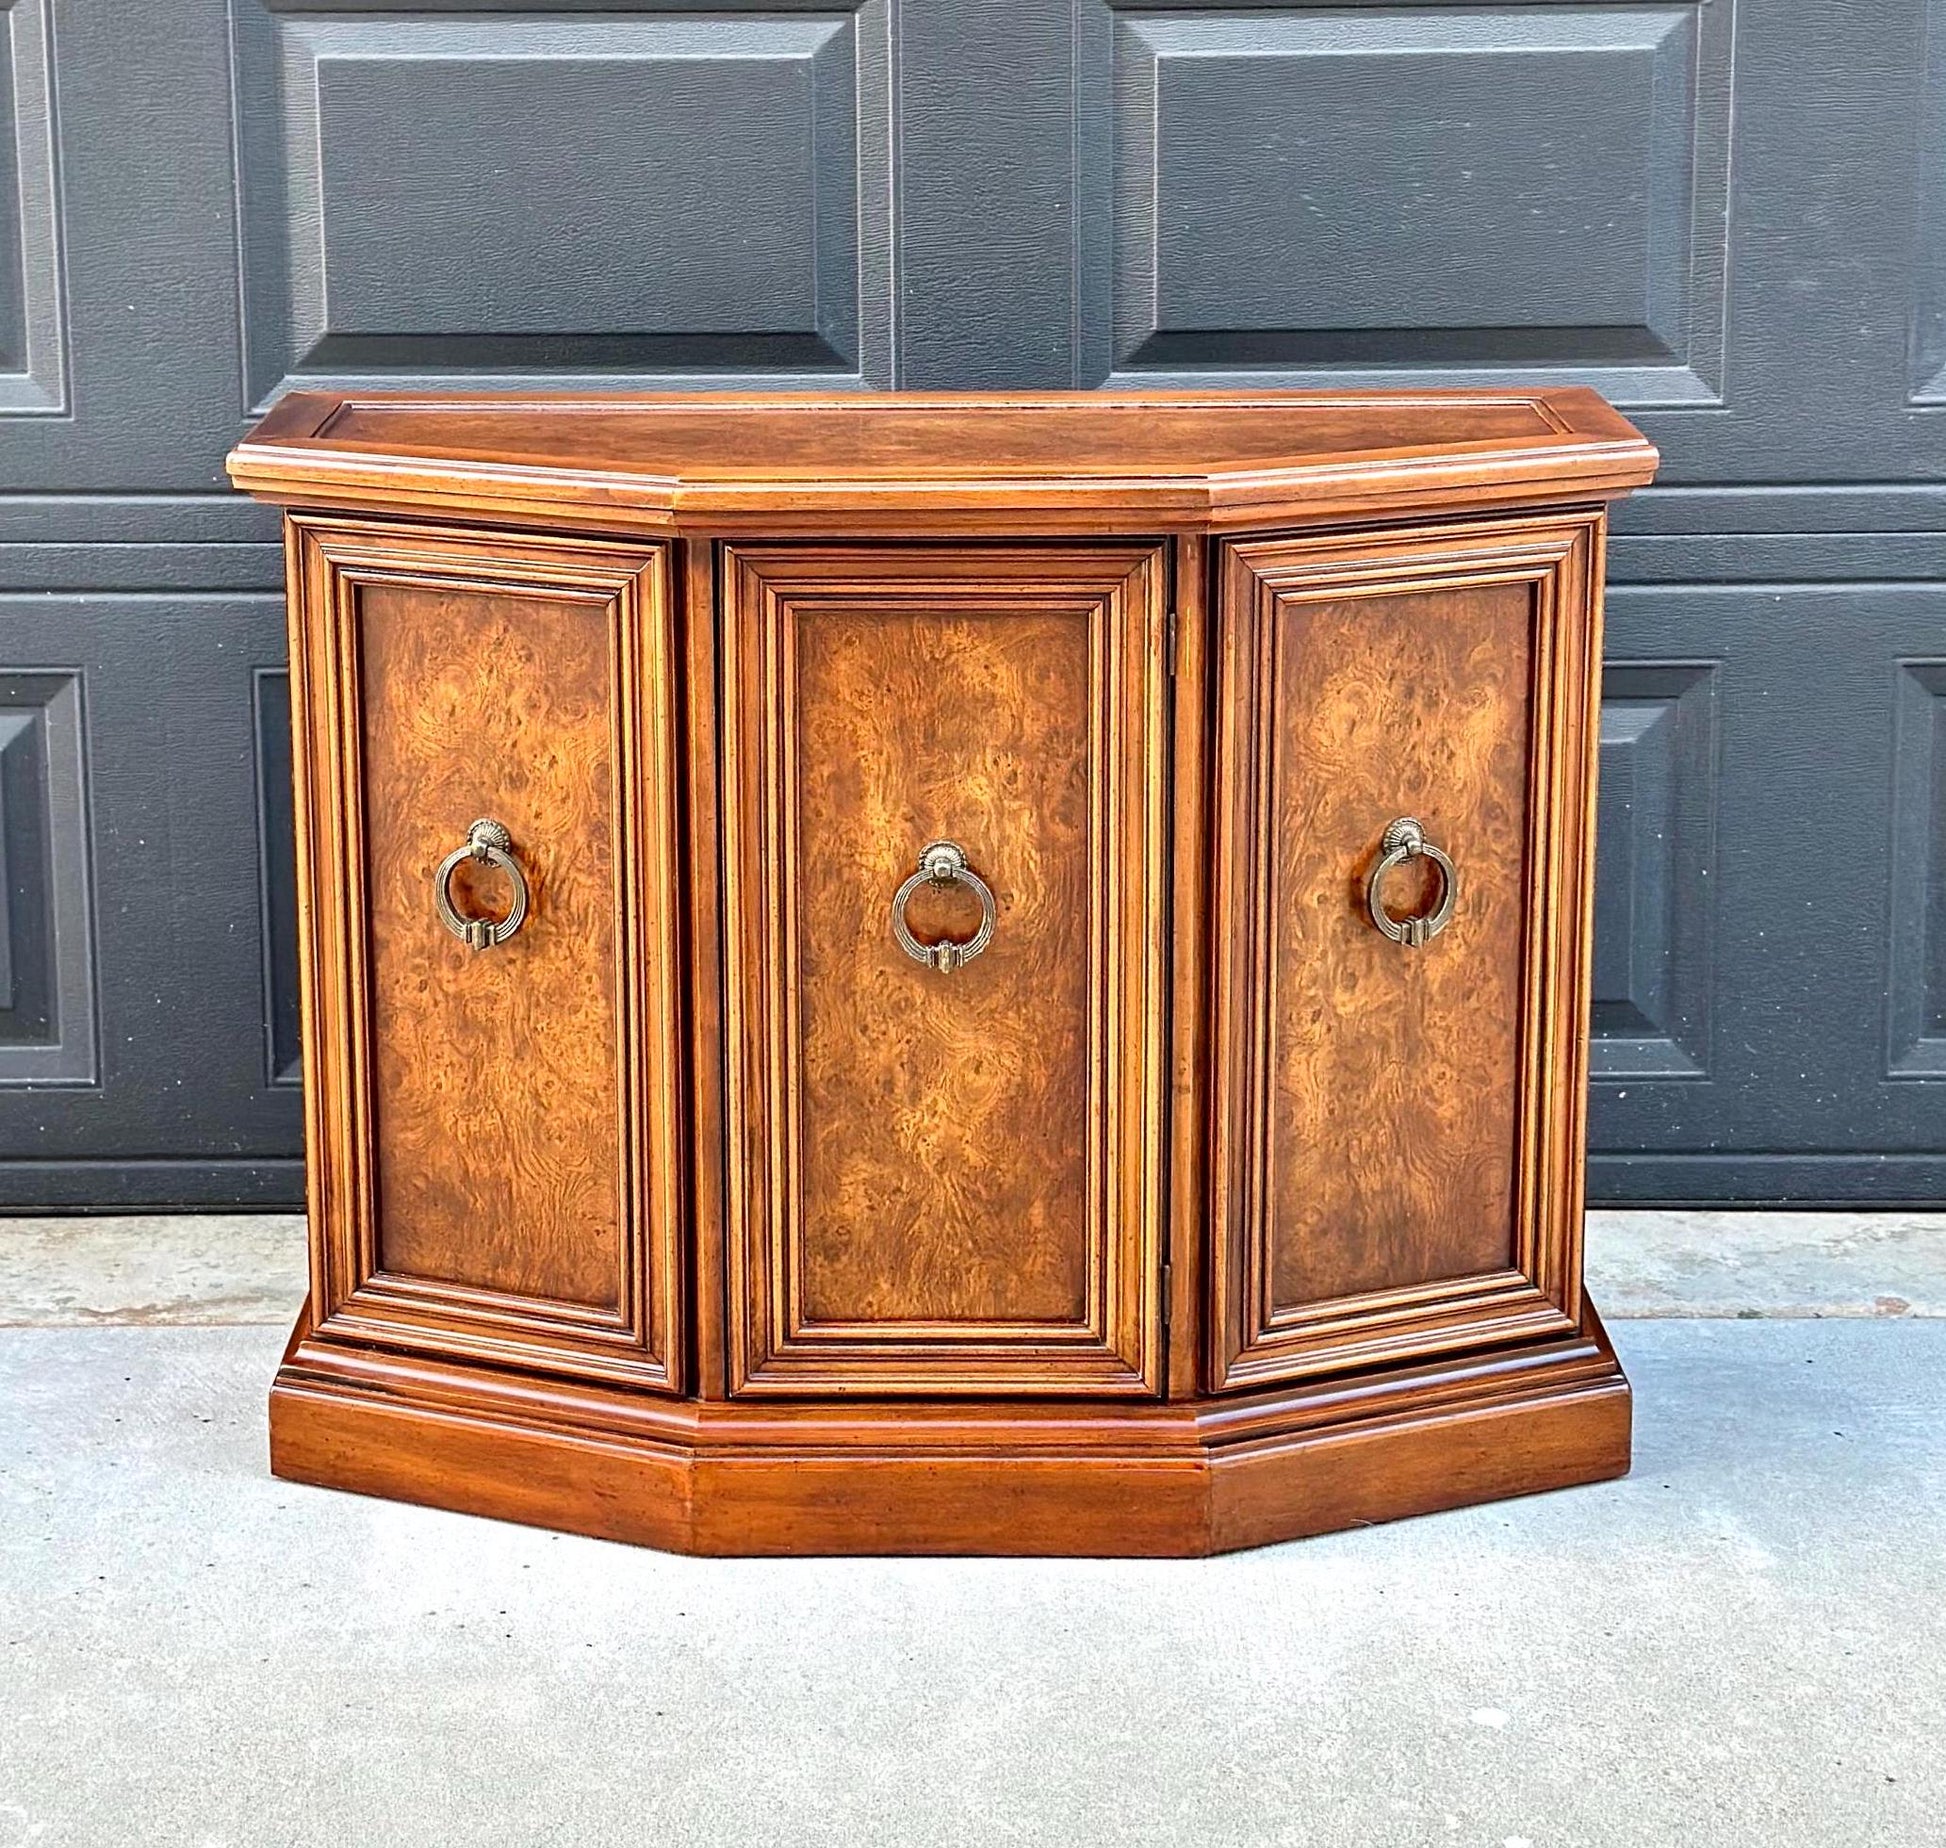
[1149, 1479]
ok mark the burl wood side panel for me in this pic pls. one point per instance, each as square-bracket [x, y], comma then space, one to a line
[1394, 1161]
[1389, 1135]
[945, 1182]
[494, 1083]
[495, 1152]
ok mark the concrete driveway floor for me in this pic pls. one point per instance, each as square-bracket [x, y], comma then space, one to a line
[1744, 1643]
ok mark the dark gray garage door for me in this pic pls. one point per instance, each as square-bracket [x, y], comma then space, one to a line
[1730, 216]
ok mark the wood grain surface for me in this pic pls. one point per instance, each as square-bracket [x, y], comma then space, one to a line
[1084, 433]
[1005, 466]
[496, 1166]
[696, 892]
[944, 1174]
[1192, 1214]
[496, 1100]
[943, 1120]
[1006, 1477]
[1389, 1141]
[1392, 1072]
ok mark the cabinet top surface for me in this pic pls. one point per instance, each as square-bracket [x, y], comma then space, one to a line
[1232, 457]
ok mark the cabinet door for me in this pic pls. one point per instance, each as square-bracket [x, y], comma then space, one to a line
[492, 1129]
[1397, 1125]
[944, 1173]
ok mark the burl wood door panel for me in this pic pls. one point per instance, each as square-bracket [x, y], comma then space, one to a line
[1397, 1128]
[493, 1131]
[944, 1180]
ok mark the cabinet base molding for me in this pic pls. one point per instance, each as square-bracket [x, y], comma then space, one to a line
[1169, 1480]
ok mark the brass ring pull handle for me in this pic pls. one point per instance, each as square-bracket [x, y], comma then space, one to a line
[1406, 840]
[488, 842]
[944, 863]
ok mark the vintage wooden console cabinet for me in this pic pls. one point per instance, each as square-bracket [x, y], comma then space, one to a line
[946, 974]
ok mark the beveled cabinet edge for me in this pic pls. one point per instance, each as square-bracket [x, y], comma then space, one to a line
[1120, 1349]
[642, 1342]
[1588, 451]
[1247, 1344]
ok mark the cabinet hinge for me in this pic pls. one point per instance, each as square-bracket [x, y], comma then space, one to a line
[1172, 640]
[1168, 1296]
